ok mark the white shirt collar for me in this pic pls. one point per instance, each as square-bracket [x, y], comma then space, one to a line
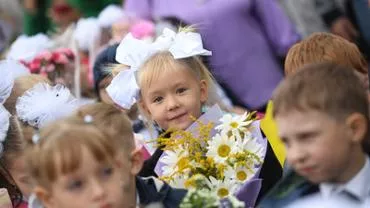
[359, 185]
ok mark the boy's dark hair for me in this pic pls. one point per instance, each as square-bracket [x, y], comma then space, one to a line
[324, 87]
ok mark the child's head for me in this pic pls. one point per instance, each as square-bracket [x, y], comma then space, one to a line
[173, 82]
[322, 117]
[21, 85]
[117, 125]
[326, 47]
[13, 174]
[173, 90]
[75, 164]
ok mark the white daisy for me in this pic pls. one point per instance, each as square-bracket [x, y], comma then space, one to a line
[234, 124]
[240, 174]
[175, 161]
[223, 188]
[220, 147]
[178, 181]
[252, 146]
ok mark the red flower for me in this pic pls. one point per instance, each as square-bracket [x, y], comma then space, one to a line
[60, 58]
[66, 51]
[35, 65]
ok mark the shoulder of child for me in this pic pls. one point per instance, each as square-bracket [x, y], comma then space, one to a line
[151, 190]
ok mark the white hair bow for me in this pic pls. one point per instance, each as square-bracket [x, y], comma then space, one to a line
[44, 103]
[9, 70]
[4, 125]
[133, 52]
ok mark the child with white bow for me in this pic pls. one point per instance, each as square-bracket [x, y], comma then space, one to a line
[169, 83]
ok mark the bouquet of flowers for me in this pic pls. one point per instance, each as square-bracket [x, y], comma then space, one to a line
[219, 153]
[57, 65]
[208, 199]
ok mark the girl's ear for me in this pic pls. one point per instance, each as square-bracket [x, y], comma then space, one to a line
[44, 196]
[203, 85]
[137, 161]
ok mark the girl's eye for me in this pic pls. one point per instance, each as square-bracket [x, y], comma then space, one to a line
[181, 90]
[106, 172]
[75, 185]
[157, 99]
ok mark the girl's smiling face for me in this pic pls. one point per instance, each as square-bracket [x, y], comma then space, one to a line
[174, 97]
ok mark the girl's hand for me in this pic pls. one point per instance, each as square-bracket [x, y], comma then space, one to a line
[239, 110]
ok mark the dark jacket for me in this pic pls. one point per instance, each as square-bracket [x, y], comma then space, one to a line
[152, 190]
[289, 189]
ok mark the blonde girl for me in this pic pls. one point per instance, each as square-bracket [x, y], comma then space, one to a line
[166, 78]
[75, 164]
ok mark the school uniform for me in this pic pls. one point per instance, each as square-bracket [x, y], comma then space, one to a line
[152, 190]
[294, 191]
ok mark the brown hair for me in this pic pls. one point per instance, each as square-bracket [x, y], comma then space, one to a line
[13, 147]
[59, 149]
[112, 121]
[328, 88]
[325, 47]
[21, 85]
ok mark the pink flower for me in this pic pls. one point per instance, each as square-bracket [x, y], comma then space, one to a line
[60, 58]
[142, 29]
[66, 51]
[45, 55]
[35, 65]
[49, 68]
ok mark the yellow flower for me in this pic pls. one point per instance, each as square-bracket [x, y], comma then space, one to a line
[220, 147]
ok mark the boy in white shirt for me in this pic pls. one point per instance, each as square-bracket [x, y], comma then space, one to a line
[322, 117]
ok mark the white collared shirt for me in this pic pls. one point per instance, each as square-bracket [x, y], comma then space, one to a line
[358, 187]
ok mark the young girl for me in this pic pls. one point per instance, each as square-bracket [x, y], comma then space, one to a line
[13, 175]
[74, 164]
[171, 86]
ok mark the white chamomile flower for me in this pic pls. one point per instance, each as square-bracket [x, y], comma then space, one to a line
[178, 181]
[240, 174]
[223, 188]
[220, 147]
[175, 161]
[234, 124]
[251, 145]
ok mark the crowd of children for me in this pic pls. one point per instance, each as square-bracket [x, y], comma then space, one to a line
[87, 113]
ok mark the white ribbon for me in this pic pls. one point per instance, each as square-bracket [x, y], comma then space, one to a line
[9, 70]
[133, 52]
[44, 103]
[4, 126]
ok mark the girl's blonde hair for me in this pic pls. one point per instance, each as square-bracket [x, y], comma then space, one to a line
[59, 150]
[163, 61]
[112, 121]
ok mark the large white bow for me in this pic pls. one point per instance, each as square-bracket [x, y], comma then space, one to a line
[133, 52]
[9, 70]
[43, 104]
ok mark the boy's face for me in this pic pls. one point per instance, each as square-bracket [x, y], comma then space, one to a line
[319, 148]
[93, 184]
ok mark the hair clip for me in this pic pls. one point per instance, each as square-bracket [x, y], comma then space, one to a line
[88, 119]
[36, 138]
